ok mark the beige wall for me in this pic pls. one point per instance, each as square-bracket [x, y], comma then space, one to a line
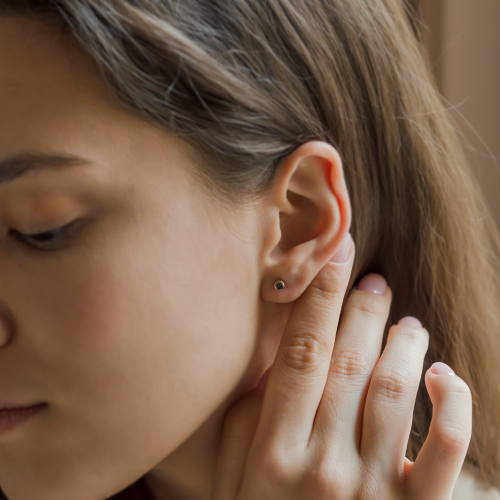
[464, 46]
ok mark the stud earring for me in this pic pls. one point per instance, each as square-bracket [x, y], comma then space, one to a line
[279, 285]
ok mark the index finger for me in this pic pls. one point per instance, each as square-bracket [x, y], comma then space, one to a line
[299, 373]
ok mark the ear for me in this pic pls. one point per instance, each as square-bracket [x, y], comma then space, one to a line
[308, 215]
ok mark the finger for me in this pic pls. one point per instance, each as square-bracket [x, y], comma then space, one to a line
[436, 469]
[355, 354]
[391, 398]
[239, 429]
[298, 376]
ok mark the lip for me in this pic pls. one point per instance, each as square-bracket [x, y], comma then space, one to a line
[12, 417]
[14, 406]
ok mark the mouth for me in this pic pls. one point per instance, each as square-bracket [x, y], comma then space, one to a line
[12, 416]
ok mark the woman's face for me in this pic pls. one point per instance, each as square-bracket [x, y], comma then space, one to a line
[137, 324]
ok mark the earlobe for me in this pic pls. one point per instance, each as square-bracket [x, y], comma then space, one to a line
[310, 215]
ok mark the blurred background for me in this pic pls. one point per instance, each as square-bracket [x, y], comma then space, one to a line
[463, 41]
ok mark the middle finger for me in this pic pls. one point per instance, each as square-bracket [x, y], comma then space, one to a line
[355, 354]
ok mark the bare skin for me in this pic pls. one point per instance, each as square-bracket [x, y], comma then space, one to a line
[140, 328]
[335, 418]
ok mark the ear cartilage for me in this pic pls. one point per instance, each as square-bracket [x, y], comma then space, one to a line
[279, 285]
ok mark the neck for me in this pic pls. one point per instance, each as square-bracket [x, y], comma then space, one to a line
[188, 472]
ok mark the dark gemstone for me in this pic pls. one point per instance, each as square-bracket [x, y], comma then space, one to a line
[280, 285]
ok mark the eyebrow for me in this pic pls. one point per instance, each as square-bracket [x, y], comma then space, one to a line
[19, 165]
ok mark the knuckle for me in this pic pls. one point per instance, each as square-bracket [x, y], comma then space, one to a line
[327, 299]
[367, 305]
[303, 352]
[392, 385]
[328, 286]
[348, 363]
[452, 439]
[411, 334]
[325, 482]
[273, 468]
[330, 280]
[460, 390]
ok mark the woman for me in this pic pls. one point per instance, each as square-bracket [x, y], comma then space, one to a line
[176, 177]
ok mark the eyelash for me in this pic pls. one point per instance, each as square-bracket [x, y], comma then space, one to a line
[61, 234]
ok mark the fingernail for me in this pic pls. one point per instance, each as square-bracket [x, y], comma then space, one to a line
[441, 369]
[373, 283]
[410, 320]
[343, 252]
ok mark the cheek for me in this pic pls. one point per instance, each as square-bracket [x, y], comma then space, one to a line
[132, 355]
[138, 343]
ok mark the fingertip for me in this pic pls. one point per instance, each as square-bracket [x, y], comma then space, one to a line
[440, 368]
[374, 283]
[438, 372]
[434, 388]
[442, 385]
[410, 320]
[343, 253]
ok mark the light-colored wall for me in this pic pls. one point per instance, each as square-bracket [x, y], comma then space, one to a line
[464, 45]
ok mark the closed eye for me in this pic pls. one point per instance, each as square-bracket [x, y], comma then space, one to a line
[46, 240]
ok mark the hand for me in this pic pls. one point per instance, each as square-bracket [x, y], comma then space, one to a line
[334, 421]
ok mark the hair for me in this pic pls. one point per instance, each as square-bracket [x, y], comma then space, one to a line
[245, 82]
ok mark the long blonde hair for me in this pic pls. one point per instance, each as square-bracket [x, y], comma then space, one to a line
[247, 81]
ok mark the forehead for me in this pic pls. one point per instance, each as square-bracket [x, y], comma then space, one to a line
[49, 87]
[53, 99]
[45, 80]
[40, 64]
[27, 46]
